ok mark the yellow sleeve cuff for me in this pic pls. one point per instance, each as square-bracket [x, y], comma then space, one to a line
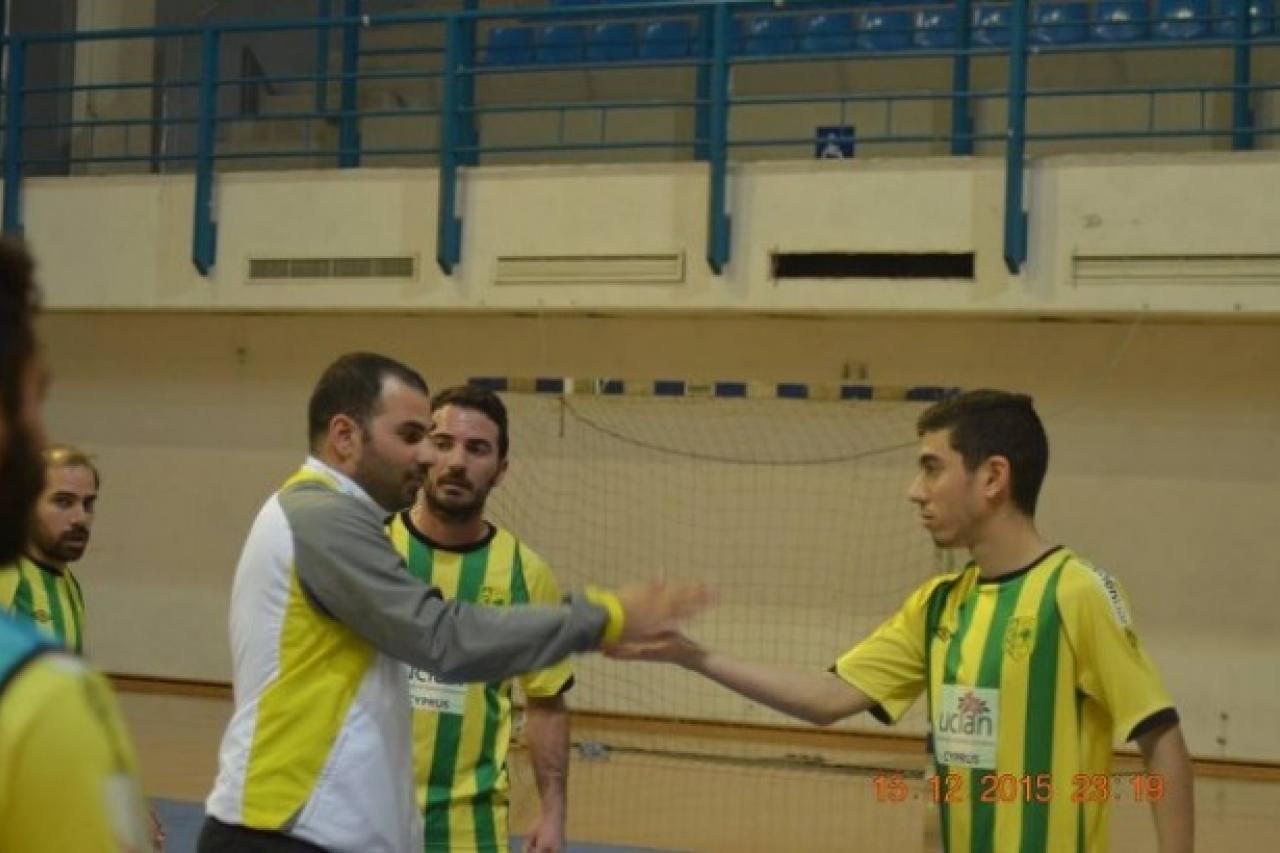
[613, 606]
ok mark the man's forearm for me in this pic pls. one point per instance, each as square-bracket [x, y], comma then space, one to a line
[1165, 753]
[816, 697]
[547, 734]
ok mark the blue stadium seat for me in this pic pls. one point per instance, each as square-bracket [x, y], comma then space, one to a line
[769, 35]
[644, 16]
[1180, 20]
[828, 34]
[936, 28]
[510, 46]
[991, 25]
[666, 40]
[1262, 15]
[562, 43]
[612, 42]
[1120, 20]
[884, 30]
[1059, 23]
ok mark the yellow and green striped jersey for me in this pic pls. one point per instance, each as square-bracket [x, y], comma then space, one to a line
[46, 597]
[461, 732]
[1029, 679]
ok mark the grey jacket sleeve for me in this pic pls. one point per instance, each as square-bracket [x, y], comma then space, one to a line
[350, 571]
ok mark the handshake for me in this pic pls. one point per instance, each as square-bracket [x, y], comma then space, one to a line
[649, 614]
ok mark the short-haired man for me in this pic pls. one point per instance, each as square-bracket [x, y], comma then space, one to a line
[461, 732]
[324, 617]
[1028, 656]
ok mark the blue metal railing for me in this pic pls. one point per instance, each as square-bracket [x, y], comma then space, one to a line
[718, 40]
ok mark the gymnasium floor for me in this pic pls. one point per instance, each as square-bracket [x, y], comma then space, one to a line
[654, 789]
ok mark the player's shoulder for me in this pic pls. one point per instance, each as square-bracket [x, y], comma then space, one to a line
[939, 583]
[1084, 584]
[530, 559]
[397, 524]
[47, 681]
[310, 506]
[10, 579]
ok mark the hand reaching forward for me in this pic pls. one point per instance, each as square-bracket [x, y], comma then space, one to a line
[657, 607]
[668, 647]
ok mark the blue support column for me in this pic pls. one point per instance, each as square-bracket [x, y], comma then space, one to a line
[4, 29]
[324, 10]
[204, 237]
[1241, 111]
[448, 223]
[961, 107]
[349, 125]
[1015, 215]
[718, 220]
[13, 120]
[468, 138]
[705, 53]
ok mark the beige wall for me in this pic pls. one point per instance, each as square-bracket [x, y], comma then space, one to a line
[1163, 469]
[133, 235]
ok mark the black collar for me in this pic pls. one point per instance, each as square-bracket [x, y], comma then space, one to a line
[479, 544]
[1017, 573]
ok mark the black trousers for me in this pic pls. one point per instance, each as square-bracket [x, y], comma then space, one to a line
[219, 837]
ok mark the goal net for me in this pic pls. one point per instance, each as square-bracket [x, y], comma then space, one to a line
[791, 501]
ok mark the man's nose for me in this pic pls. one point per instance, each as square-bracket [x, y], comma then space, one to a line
[915, 493]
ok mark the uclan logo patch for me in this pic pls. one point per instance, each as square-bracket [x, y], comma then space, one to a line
[972, 716]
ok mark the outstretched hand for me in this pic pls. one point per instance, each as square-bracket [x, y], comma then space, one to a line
[668, 647]
[657, 607]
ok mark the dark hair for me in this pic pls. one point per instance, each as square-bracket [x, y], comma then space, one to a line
[352, 386]
[986, 423]
[21, 469]
[479, 399]
[18, 302]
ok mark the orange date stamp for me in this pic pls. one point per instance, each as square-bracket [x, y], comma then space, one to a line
[991, 788]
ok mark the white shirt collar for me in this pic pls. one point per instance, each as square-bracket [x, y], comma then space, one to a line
[346, 485]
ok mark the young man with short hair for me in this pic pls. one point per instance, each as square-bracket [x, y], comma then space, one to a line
[1027, 657]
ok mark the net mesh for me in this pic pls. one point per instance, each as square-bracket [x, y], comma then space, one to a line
[796, 511]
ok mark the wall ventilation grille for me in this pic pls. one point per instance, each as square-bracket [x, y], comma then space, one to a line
[1176, 269]
[277, 269]
[658, 268]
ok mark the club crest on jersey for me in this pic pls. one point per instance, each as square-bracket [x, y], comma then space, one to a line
[1020, 637]
[42, 616]
[493, 596]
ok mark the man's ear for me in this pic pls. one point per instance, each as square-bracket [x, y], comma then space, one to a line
[345, 436]
[995, 477]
